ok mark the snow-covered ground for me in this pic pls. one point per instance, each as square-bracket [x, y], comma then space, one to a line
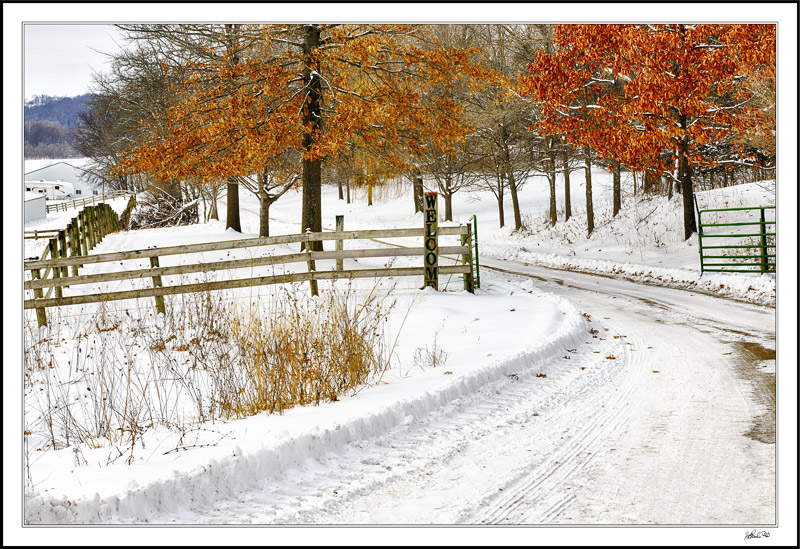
[554, 385]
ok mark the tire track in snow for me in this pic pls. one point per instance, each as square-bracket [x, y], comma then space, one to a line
[687, 455]
[428, 453]
[536, 497]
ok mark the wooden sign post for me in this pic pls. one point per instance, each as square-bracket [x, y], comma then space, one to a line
[431, 240]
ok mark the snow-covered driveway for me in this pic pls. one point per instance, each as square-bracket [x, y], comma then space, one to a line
[698, 444]
[669, 420]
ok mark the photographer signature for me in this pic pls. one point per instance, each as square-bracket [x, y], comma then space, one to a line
[753, 534]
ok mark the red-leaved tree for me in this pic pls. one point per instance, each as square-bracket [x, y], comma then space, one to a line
[634, 92]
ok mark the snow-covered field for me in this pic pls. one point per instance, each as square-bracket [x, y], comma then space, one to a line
[517, 356]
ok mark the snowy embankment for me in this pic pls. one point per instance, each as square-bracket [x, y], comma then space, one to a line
[755, 289]
[644, 243]
[513, 331]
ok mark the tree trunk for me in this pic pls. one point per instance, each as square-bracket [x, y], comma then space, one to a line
[312, 169]
[651, 183]
[589, 205]
[214, 208]
[670, 183]
[370, 183]
[340, 187]
[617, 190]
[312, 200]
[512, 186]
[500, 208]
[551, 176]
[500, 195]
[689, 222]
[448, 206]
[419, 191]
[567, 197]
[263, 214]
[233, 221]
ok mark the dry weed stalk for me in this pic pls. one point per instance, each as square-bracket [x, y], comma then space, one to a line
[122, 374]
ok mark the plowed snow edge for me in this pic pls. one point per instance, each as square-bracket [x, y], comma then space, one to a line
[228, 476]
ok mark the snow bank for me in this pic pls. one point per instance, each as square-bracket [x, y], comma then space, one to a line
[755, 288]
[266, 446]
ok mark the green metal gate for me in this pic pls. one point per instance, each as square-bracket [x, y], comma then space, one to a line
[724, 250]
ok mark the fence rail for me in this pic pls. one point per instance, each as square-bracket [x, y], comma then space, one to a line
[734, 262]
[80, 202]
[58, 264]
[44, 233]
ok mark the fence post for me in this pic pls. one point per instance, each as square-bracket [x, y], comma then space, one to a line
[62, 241]
[110, 218]
[339, 243]
[157, 284]
[763, 242]
[125, 220]
[477, 260]
[103, 217]
[74, 245]
[431, 240]
[41, 315]
[114, 219]
[311, 267]
[82, 227]
[101, 229]
[700, 241]
[54, 255]
[89, 229]
[466, 259]
[92, 226]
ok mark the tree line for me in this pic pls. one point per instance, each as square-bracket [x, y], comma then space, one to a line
[49, 126]
[193, 110]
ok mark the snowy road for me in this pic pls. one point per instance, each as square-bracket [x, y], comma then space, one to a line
[664, 415]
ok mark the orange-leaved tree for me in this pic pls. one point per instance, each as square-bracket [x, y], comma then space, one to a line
[317, 90]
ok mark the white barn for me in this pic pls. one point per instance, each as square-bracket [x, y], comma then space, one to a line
[84, 183]
[35, 208]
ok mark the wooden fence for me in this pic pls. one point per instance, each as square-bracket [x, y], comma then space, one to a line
[53, 273]
[88, 201]
[81, 235]
[155, 273]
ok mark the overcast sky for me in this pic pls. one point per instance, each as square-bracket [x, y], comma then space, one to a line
[59, 58]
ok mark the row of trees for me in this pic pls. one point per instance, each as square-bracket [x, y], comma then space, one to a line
[47, 139]
[197, 108]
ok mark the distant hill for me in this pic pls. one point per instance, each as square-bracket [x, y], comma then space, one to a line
[49, 125]
[63, 110]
